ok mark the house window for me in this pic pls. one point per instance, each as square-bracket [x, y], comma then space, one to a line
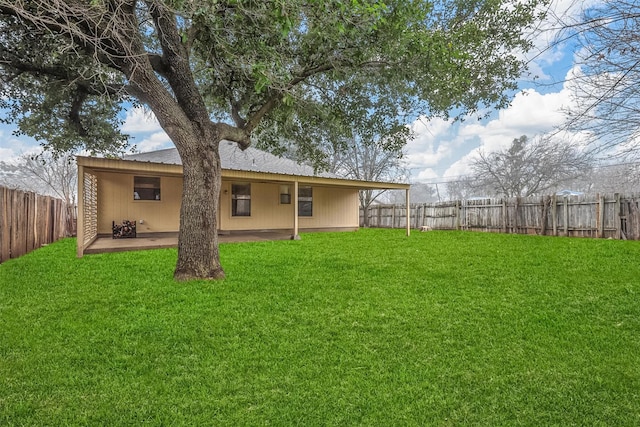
[305, 201]
[240, 199]
[146, 188]
[285, 195]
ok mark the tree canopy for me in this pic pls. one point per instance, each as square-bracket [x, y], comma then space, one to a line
[283, 70]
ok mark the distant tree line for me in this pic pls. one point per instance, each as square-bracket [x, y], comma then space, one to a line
[530, 167]
[44, 174]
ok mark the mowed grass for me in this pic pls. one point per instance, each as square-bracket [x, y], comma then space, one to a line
[365, 328]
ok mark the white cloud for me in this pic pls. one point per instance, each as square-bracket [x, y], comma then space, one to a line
[433, 127]
[531, 113]
[139, 120]
[7, 154]
[462, 166]
[443, 149]
[426, 175]
[155, 141]
[147, 133]
[12, 147]
[427, 150]
[428, 159]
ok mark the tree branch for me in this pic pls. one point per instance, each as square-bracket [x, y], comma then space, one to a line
[175, 66]
[61, 73]
[238, 135]
[158, 64]
[266, 108]
[276, 96]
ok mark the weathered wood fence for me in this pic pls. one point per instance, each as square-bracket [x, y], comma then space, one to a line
[29, 220]
[614, 216]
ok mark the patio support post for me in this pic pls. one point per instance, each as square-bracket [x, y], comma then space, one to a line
[408, 213]
[295, 235]
[80, 214]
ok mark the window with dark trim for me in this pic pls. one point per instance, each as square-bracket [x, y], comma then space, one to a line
[305, 201]
[285, 195]
[146, 188]
[240, 199]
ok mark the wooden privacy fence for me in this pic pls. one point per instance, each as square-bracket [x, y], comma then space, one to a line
[614, 216]
[29, 220]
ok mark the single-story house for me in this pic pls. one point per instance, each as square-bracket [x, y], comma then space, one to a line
[260, 192]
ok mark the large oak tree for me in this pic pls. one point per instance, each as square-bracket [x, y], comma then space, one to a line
[226, 69]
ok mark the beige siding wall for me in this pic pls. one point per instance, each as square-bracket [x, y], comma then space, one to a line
[266, 210]
[115, 203]
[332, 207]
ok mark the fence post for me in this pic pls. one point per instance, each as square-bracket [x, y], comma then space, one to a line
[616, 216]
[543, 217]
[18, 243]
[408, 216]
[600, 225]
[633, 220]
[516, 228]
[458, 209]
[393, 216]
[5, 221]
[554, 212]
[566, 216]
[504, 215]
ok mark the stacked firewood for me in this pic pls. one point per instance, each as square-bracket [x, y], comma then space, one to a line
[126, 229]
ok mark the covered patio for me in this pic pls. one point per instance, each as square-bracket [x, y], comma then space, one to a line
[170, 240]
[262, 197]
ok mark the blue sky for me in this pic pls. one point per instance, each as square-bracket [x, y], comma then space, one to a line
[441, 150]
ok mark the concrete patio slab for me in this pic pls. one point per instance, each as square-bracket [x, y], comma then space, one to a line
[170, 240]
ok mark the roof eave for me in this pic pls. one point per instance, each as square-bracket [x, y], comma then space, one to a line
[134, 166]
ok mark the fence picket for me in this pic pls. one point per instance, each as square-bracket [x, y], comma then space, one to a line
[615, 216]
[28, 221]
[5, 230]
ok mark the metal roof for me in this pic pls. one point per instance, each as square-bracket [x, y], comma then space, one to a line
[233, 158]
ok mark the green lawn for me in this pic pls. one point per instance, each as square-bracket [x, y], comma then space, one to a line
[368, 328]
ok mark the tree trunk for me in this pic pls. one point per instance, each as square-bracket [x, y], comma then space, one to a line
[365, 216]
[198, 255]
[365, 203]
